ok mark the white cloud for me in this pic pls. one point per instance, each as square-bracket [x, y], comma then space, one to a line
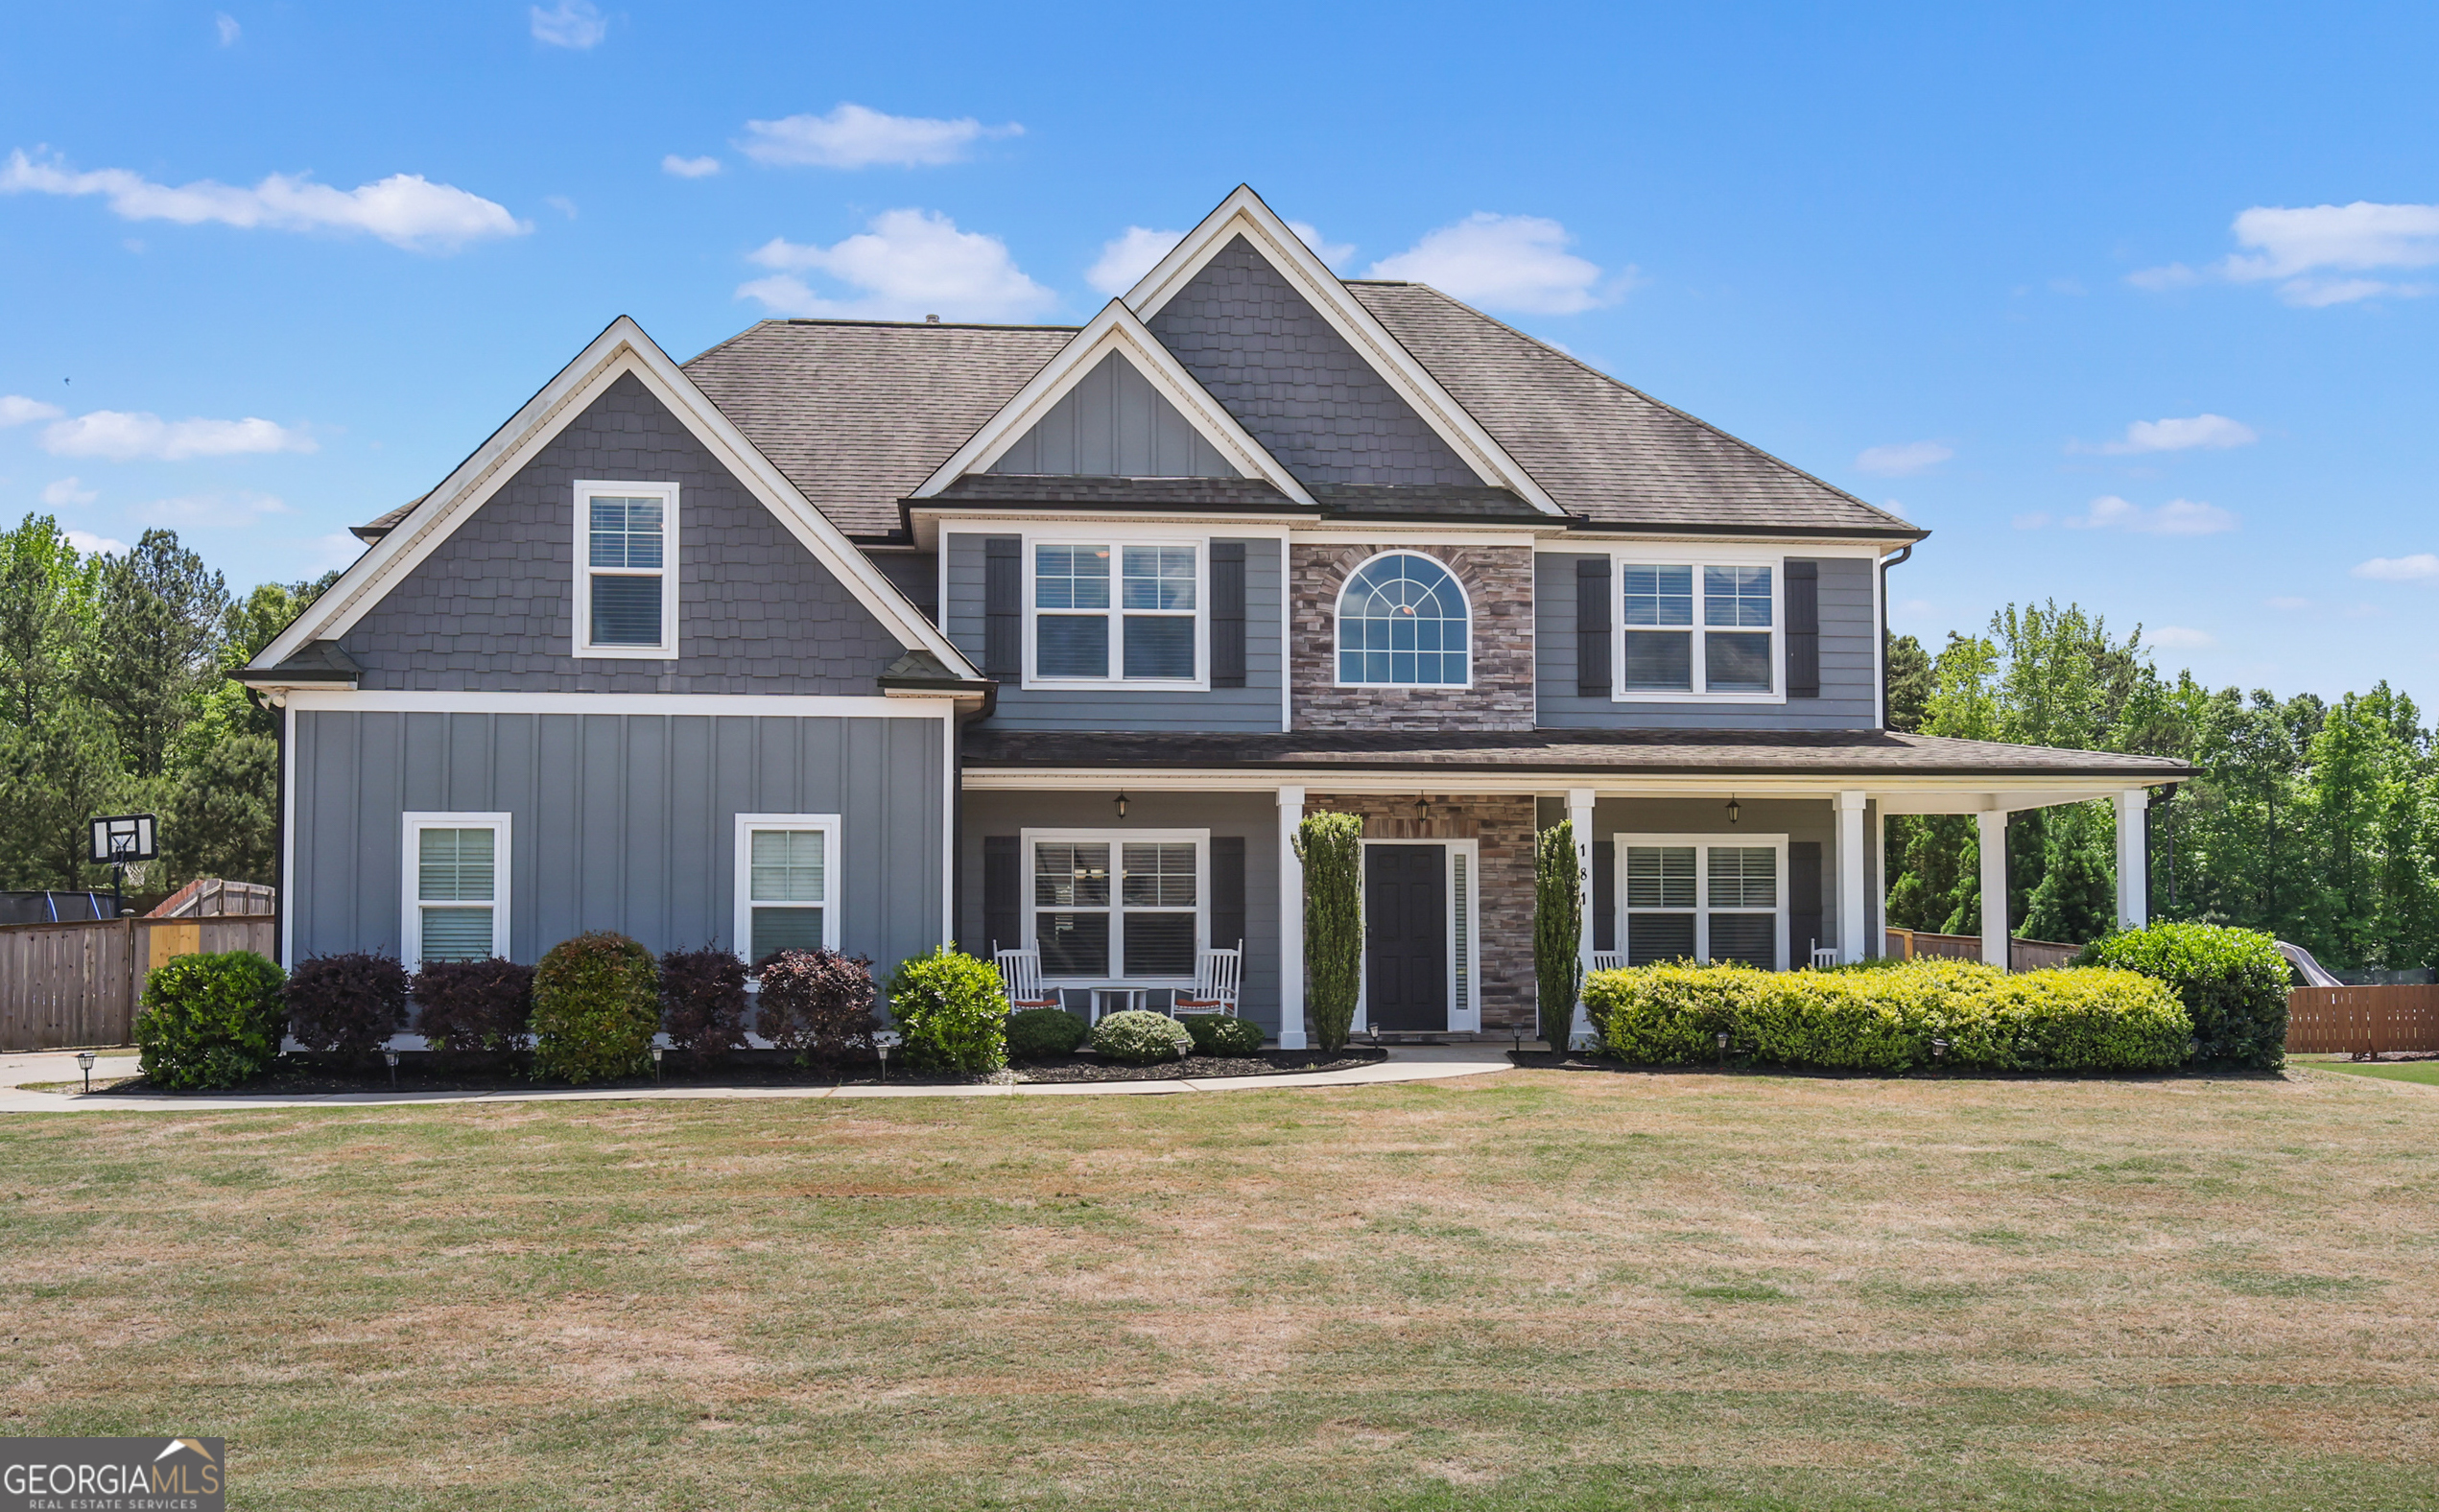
[854, 136]
[2180, 638]
[92, 545]
[576, 23]
[561, 204]
[906, 265]
[404, 210]
[337, 549]
[1330, 253]
[229, 29]
[1127, 256]
[15, 408]
[2419, 567]
[1512, 262]
[123, 437]
[2176, 517]
[210, 511]
[2304, 250]
[689, 167]
[67, 492]
[2215, 432]
[1902, 461]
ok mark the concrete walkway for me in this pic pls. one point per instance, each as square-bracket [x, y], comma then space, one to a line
[1404, 1063]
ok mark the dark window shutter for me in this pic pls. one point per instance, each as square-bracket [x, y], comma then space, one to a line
[1604, 895]
[1227, 614]
[1227, 891]
[1803, 629]
[1803, 899]
[1592, 628]
[1003, 607]
[1003, 892]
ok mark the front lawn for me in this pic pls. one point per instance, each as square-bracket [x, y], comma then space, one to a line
[1541, 1289]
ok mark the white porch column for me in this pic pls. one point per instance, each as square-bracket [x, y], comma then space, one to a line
[1290, 922]
[2134, 861]
[1579, 815]
[1993, 885]
[1876, 925]
[1851, 917]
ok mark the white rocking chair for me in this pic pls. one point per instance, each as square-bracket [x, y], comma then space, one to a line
[1824, 957]
[1216, 973]
[1021, 978]
[1608, 961]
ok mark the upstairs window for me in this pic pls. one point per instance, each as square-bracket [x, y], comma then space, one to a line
[625, 573]
[456, 887]
[1403, 621]
[1112, 612]
[1690, 628]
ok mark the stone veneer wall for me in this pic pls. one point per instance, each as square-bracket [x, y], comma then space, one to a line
[1503, 892]
[1497, 581]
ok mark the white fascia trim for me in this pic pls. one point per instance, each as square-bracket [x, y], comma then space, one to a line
[932, 525]
[621, 349]
[1244, 212]
[1892, 794]
[1115, 329]
[873, 706]
[1718, 548]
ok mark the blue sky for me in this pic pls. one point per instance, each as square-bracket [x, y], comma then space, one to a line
[2131, 306]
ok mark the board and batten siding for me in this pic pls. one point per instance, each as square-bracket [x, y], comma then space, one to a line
[1255, 706]
[1849, 670]
[619, 821]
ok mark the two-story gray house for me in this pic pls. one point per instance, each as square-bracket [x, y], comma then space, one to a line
[875, 635]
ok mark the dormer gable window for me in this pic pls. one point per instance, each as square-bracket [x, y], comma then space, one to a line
[1403, 621]
[626, 570]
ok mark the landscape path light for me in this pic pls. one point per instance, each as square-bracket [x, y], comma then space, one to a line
[84, 1063]
[391, 1056]
[656, 1055]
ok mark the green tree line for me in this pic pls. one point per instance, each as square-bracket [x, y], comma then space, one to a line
[2318, 822]
[115, 699]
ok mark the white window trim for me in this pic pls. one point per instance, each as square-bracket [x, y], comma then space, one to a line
[411, 882]
[741, 917]
[1469, 1019]
[1338, 608]
[1697, 559]
[667, 493]
[1702, 844]
[1202, 841]
[1117, 545]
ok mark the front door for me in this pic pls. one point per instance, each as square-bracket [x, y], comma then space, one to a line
[1405, 936]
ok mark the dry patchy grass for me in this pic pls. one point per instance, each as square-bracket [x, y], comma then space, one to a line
[1537, 1289]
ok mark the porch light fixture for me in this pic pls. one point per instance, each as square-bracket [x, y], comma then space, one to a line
[1122, 805]
[84, 1063]
[1422, 809]
[1736, 809]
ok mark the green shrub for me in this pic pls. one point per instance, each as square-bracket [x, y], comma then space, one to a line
[1138, 1038]
[1330, 847]
[1037, 1033]
[1222, 1034]
[1887, 1019]
[595, 1008]
[1558, 931]
[2232, 984]
[210, 1021]
[951, 1012]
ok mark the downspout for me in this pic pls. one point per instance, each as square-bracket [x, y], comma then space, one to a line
[279, 828]
[1886, 563]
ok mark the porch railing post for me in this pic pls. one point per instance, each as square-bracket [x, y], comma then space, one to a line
[1290, 922]
[1849, 877]
[1993, 824]
[1580, 817]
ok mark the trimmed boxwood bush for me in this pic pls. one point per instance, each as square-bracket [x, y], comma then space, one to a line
[467, 1007]
[1222, 1034]
[1886, 1018]
[819, 1004]
[209, 1021]
[2233, 982]
[346, 1005]
[1037, 1033]
[951, 1012]
[595, 1008]
[1138, 1037]
[702, 1001]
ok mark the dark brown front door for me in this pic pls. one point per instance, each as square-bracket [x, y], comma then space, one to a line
[1405, 936]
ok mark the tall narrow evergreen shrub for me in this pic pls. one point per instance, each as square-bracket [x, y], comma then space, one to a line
[1558, 930]
[1331, 847]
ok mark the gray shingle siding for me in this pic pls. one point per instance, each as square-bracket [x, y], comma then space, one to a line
[1850, 686]
[1292, 380]
[1114, 424]
[490, 608]
[1255, 706]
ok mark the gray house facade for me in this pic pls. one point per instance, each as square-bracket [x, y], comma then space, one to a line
[877, 636]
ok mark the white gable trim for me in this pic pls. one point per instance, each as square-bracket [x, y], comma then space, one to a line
[1243, 213]
[1115, 329]
[621, 350]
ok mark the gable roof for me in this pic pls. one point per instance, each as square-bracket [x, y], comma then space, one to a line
[621, 349]
[1607, 452]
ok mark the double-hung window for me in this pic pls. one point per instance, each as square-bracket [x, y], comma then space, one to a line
[626, 569]
[1117, 904]
[786, 865]
[1694, 629]
[1107, 611]
[454, 883]
[1697, 898]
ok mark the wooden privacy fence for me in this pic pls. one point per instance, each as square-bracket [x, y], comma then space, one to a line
[2022, 954]
[2358, 1020]
[77, 983]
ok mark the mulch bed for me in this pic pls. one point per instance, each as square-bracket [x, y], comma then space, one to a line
[1265, 1063]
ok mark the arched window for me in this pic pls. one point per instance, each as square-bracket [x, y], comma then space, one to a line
[1402, 620]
